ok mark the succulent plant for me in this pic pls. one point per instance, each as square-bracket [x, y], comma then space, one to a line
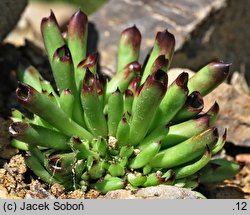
[128, 132]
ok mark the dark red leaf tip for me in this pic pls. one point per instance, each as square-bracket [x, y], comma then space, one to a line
[89, 82]
[134, 84]
[139, 89]
[79, 14]
[160, 63]
[128, 93]
[99, 87]
[134, 67]
[159, 177]
[219, 70]
[63, 54]
[18, 128]
[132, 36]
[219, 65]
[172, 176]
[50, 19]
[159, 76]
[124, 119]
[90, 61]
[24, 93]
[195, 101]
[182, 81]
[77, 24]
[166, 41]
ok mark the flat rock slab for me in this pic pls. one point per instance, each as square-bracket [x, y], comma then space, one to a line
[10, 14]
[234, 110]
[180, 17]
[218, 38]
[156, 192]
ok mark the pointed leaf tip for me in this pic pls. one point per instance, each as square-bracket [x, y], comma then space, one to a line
[219, 65]
[132, 35]
[135, 66]
[182, 81]
[166, 40]
[77, 23]
[51, 18]
[219, 69]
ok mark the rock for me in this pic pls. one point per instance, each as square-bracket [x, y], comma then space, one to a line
[222, 36]
[118, 194]
[243, 158]
[166, 192]
[29, 25]
[180, 17]
[234, 109]
[10, 14]
[156, 192]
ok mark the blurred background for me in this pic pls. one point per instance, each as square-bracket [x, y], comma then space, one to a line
[205, 30]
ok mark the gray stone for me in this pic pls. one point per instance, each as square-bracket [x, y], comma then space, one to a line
[155, 192]
[180, 17]
[10, 14]
[223, 35]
